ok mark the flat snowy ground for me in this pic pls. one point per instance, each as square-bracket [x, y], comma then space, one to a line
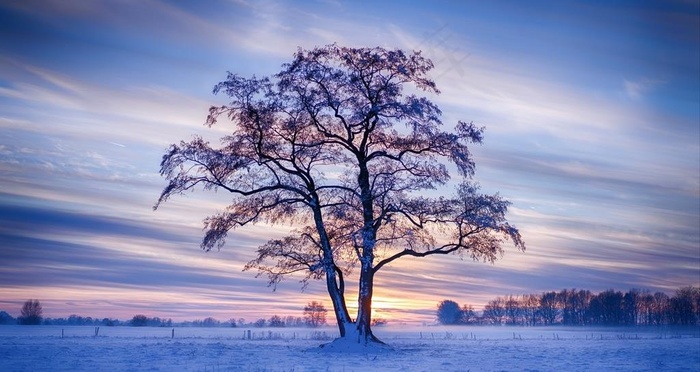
[41, 348]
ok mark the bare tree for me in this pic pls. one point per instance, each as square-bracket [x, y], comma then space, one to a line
[276, 321]
[31, 312]
[315, 314]
[529, 305]
[334, 144]
[512, 309]
[468, 314]
[495, 311]
[548, 307]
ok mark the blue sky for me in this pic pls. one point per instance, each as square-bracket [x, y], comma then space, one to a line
[591, 110]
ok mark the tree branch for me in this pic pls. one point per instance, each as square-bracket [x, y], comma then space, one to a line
[410, 252]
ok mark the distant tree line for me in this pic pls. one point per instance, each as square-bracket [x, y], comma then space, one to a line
[78, 320]
[141, 320]
[314, 315]
[581, 307]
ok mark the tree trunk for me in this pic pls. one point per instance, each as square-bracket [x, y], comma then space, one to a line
[340, 309]
[364, 314]
[369, 236]
[334, 280]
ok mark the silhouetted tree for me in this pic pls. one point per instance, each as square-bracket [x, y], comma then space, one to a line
[109, 322]
[210, 322]
[378, 322]
[606, 308]
[610, 307]
[529, 305]
[574, 306]
[549, 308]
[630, 307]
[6, 318]
[660, 308]
[644, 307]
[468, 314]
[512, 309]
[495, 311]
[139, 321]
[448, 312]
[31, 313]
[75, 319]
[275, 321]
[342, 111]
[682, 306]
[293, 321]
[315, 314]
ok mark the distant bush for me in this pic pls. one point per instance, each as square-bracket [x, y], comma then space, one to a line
[139, 321]
[210, 322]
[378, 322]
[31, 313]
[6, 318]
[448, 312]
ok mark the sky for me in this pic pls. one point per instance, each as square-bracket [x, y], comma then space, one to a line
[591, 110]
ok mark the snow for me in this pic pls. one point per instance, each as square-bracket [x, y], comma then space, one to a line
[37, 348]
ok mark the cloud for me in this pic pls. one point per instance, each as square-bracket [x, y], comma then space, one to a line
[56, 129]
[637, 89]
[73, 256]
[601, 188]
[70, 103]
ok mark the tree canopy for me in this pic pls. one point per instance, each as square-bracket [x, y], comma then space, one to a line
[340, 144]
[448, 312]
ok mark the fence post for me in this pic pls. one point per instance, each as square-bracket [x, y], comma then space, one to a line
[172, 335]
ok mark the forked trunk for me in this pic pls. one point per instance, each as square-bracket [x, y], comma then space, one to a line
[340, 309]
[335, 284]
[359, 331]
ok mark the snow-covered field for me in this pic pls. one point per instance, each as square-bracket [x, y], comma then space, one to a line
[41, 348]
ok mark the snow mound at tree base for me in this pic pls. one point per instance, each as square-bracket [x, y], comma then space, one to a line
[351, 345]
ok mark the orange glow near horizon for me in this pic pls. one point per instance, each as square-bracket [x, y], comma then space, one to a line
[389, 303]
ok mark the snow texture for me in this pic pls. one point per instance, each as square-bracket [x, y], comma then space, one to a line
[41, 348]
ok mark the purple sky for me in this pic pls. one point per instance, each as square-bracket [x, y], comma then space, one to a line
[592, 130]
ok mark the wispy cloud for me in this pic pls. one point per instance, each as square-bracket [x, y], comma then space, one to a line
[76, 253]
[636, 89]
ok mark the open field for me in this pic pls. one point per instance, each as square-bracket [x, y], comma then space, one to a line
[42, 348]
